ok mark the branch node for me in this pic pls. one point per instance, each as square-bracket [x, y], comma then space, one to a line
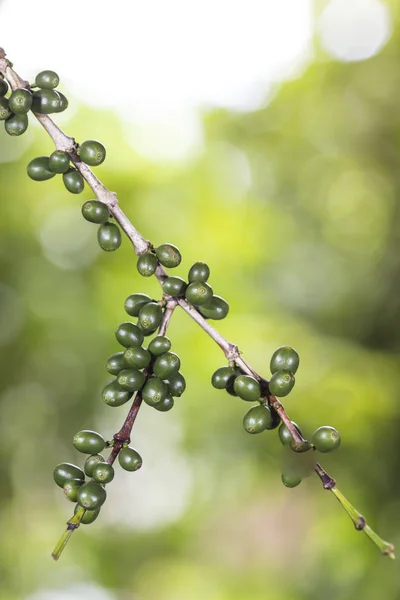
[361, 523]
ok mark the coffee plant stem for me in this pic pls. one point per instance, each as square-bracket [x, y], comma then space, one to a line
[72, 524]
[231, 351]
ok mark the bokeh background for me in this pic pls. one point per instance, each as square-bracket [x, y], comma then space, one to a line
[263, 138]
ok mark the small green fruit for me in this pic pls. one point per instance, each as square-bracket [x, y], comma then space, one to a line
[71, 488]
[285, 358]
[159, 345]
[135, 302]
[284, 434]
[147, 264]
[326, 439]
[92, 153]
[16, 124]
[5, 110]
[95, 211]
[168, 255]
[3, 86]
[222, 377]
[91, 495]
[131, 380]
[199, 272]
[275, 419]
[166, 404]
[150, 316]
[89, 442]
[129, 459]
[217, 308]
[73, 181]
[91, 462]
[154, 391]
[47, 79]
[281, 383]
[137, 357]
[174, 286]
[290, 480]
[89, 515]
[198, 293]
[45, 102]
[59, 161]
[103, 473]
[20, 101]
[116, 363]
[257, 419]
[39, 169]
[65, 472]
[128, 334]
[63, 103]
[176, 384]
[247, 388]
[166, 365]
[114, 395]
[109, 237]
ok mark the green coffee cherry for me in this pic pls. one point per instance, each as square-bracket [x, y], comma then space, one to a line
[147, 264]
[89, 442]
[150, 316]
[166, 365]
[326, 439]
[16, 124]
[166, 404]
[247, 388]
[5, 111]
[135, 302]
[217, 308]
[91, 462]
[176, 384]
[198, 293]
[45, 102]
[131, 380]
[39, 169]
[281, 383]
[129, 459]
[199, 272]
[257, 419]
[63, 103]
[222, 377]
[154, 391]
[128, 334]
[3, 86]
[20, 101]
[103, 473]
[285, 358]
[71, 488]
[47, 79]
[92, 153]
[159, 345]
[114, 395]
[290, 480]
[91, 495]
[275, 419]
[137, 357]
[65, 472]
[230, 386]
[284, 434]
[174, 286]
[168, 255]
[73, 181]
[116, 363]
[89, 515]
[59, 161]
[109, 237]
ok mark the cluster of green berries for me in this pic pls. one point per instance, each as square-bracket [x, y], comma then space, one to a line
[284, 364]
[41, 97]
[87, 487]
[152, 371]
[196, 290]
[108, 234]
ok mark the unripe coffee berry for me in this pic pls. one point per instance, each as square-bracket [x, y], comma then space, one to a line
[73, 181]
[3, 86]
[128, 334]
[20, 101]
[92, 153]
[176, 384]
[89, 515]
[247, 388]
[91, 462]
[290, 480]
[131, 380]
[129, 459]
[199, 272]
[281, 383]
[109, 237]
[89, 442]
[114, 395]
[284, 434]
[150, 316]
[326, 439]
[168, 255]
[65, 472]
[95, 211]
[103, 473]
[147, 264]
[198, 293]
[116, 363]
[285, 358]
[166, 365]
[154, 391]
[71, 488]
[39, 169]
[16, 124]
[165, 405]
[91, 495]
[59, 161]
[257, 419]
[45, 102]
[135, 302]
[47, 79]
[217, 308]
[174, 286]
[159, 345]
[137, 357]
[222, 377]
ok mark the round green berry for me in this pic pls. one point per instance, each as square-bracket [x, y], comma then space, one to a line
[5, 110]
[39, 169]
[103, 473]
[3, 86]
[166, 404]
[16, 124]
[131, 380]
[63, 103]
[284, 434]
[20, 101]
[147, 264]
[89, 515]
[285, 358]
[198, 293]
[168, 255]
[176, 384]
[45, 102]
[114, 395]
[257, 419]
[71, 488]
[199, 272]
[89, 442]
[150, 316]
[91, 495]
[275, 419]
[135, 302]
[159, 345]
[109, 237]
[166, 365]
[92, 153]
[326, 439]
[217, 308]
[128, 334]
[47, 79]
[95, 212]
[174, 286]
[73, 181]
[291, 480]
[137, 357]
[222, 377]
[65, 472]
[116, 363]
[91, 462]
[59, 161]
[247, 388]
[154, 391]
[129, 459]
[281, 383]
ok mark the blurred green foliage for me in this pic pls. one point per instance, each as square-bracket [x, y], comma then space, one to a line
[295, 207]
